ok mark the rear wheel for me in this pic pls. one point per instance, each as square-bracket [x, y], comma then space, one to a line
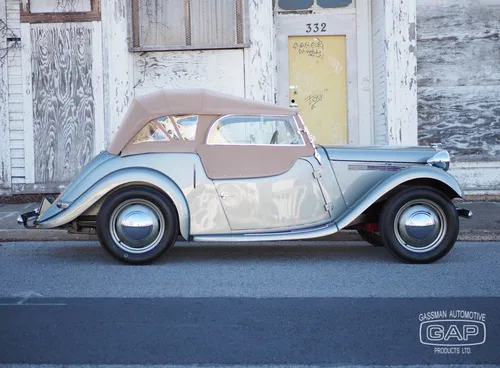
[137, 225]
[419, 225]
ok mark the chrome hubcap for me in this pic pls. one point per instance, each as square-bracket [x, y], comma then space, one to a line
[420, 225]
[137, 225]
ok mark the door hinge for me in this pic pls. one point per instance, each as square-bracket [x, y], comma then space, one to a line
[317, 174]
[329, 206]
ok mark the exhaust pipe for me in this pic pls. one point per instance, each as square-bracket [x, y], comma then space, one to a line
[464, 212]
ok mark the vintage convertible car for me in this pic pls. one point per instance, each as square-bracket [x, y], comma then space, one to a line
[214, 167]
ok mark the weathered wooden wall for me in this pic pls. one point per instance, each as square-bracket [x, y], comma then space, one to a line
[379, 72]
[220, 70]
[249, 72]
[459, 76]
[394, 65]
[14, 86]
[260, 63]
[117, 65]
[4, 103]
[63, 100]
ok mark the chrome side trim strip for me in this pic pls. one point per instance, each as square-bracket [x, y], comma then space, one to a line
[314, 232]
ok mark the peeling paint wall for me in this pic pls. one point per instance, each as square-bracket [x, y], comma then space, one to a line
[117, 65]
[260, 75]
[459, 76]
[379, 73]
[220, 70]
[248, 72]
[394, 68]
[401, 72]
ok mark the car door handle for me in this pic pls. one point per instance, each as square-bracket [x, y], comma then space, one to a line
[225, 195]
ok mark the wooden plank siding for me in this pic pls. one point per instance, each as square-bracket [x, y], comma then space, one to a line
[459, 77]
[5, 157]
[63, 100]
[14, 63]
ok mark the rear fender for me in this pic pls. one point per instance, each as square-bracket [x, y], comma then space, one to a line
[132, 175]
[390, 183]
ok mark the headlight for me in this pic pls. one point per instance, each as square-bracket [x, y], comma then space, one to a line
[441, 160]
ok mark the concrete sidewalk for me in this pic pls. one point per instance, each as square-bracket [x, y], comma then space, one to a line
[484, 226]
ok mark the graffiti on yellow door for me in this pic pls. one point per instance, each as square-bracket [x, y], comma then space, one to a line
[318, 85]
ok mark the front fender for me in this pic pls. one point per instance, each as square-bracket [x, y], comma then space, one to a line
[388, 184]
[132, 175]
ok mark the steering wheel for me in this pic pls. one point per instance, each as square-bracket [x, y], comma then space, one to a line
[274, 138]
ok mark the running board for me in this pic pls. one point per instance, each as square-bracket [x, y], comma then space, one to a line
[314, 232]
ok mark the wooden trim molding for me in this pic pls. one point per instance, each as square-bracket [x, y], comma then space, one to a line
[93, 15]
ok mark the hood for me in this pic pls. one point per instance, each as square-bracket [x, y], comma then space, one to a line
[413, 154]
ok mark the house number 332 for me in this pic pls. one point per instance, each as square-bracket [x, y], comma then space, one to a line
[315, 27]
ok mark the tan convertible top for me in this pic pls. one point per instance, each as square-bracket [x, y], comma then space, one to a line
[183, 102]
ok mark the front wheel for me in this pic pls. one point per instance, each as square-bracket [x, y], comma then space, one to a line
[419, 225]
[137, 224]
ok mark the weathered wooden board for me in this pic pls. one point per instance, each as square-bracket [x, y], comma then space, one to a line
[465, 119]
[220, 70]
[459, 75]
[63, 101]
[260, 65]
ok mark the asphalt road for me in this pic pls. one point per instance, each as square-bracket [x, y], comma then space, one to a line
[287, 305]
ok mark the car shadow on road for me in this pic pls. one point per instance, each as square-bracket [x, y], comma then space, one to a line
[183, 252]
[359, 253]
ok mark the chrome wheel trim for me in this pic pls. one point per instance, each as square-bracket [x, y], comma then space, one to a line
[420, 225]
[137, 226]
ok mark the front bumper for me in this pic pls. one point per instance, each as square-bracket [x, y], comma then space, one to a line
[29, 219]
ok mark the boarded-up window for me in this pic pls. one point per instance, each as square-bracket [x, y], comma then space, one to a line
[188, 24]
[60, 11]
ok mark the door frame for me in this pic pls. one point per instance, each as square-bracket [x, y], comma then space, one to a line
[338, 24]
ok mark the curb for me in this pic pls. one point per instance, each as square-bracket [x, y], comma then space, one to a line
[478, 235]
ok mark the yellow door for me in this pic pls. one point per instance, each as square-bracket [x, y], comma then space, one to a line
[318, 85]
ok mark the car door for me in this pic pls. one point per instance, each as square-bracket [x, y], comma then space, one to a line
[258, 171]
